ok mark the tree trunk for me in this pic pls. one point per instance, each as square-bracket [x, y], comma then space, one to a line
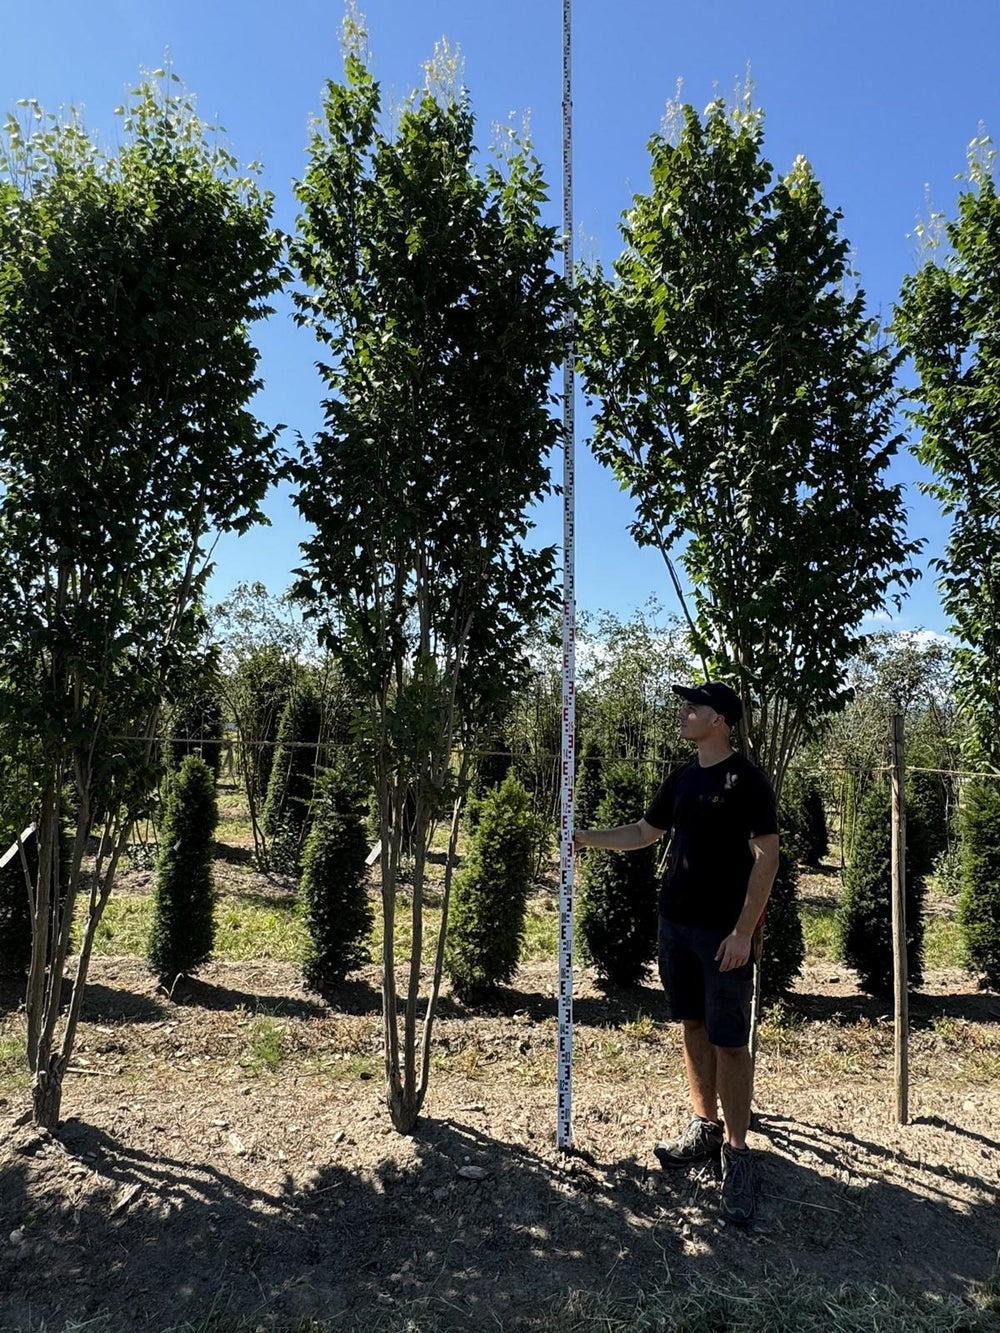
[46, 1095]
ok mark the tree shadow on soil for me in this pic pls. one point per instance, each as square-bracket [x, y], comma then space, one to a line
[150, 1239]
[237, 856]
[977, 1007]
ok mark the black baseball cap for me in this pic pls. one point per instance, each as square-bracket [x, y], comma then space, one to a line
[720, 697]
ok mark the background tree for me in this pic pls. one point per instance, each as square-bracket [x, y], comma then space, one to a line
[262, 641]
[195, 723]
[128, 285]
[430, 284]
[182, 931]
[617, 911]
[333, 890]
[947, 319]
[490, 899]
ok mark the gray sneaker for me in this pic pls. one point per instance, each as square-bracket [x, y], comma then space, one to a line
[738, 1204]
[700, 1142]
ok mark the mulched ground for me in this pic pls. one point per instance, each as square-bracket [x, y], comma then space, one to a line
[189, 1173]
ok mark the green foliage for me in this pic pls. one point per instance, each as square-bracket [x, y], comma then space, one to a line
[429, 280]
[490, 893]
[590, 784]
[864, 917]
[803, 819]
[979, 908]
[290, 789]
[196, 727]
[616, 906]
[492, 766]
[947, 318]
[627, 667]
[128, 287]
[334, 885]
[928, 819]
[183, 927]
[747, 407]
[784, 944]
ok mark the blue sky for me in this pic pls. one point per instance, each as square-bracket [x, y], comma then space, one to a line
[882, 97]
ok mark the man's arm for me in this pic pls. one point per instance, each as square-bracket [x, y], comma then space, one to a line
[735, 948]
[625, 838]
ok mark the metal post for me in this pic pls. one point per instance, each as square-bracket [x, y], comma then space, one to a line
[899, 923]
[564, 1131]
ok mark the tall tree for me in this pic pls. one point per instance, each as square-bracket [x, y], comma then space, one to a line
[128, 285]
[746, 404]
[430, 283]
[947, 320]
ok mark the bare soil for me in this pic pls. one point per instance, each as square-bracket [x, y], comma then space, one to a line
[228, 1148]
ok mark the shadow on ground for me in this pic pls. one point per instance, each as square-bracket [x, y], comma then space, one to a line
[149, 1240]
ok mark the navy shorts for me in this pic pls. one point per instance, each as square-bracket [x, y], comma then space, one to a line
[697, 989]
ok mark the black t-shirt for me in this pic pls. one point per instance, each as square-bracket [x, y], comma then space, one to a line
[713, 812]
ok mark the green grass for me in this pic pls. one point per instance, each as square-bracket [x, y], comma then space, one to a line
[124, 927]
[943, 945]
[266, 1046]
[541, 931]
[14, 1073]
[819, 932]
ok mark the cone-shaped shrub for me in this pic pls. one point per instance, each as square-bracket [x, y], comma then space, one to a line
[979, 907]
[618, 892]
[803, 819]
[864, 918]
[333, 890]
[490, 893]
[590, 784]
[927, 810]
[784, 945]
[290, 788]
[183, 926]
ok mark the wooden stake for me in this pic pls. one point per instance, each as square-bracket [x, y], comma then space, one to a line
[899, 924]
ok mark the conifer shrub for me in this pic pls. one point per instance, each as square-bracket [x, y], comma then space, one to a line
[333, 890]
[490, 893]
[290, 788]
[590, 785]
[259, 689]
[864, 917]
[927, 806]
[803, 819]
[617, 903]
[784, 946]
[979, 904]
[182, 931]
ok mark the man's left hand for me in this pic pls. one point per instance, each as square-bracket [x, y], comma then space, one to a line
[733, 951]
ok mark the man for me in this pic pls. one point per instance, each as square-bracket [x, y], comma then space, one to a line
[724, 855]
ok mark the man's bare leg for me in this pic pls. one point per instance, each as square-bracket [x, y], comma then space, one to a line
[701, 1064]
[735, 1077]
